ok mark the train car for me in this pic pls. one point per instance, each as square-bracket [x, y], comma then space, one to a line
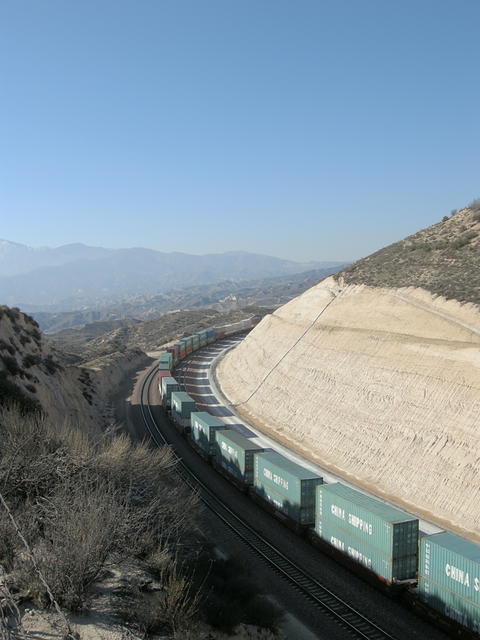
[195, 341]
[449, 578]
[286, 487]
[203, 427]
[203, 337]
[219, 333]
[167, 386]
[210, 336]
[382, 538]
[234, 456]
[188, 345]
[180, 350]
[182, 406]
[173, 350]
[165, 362]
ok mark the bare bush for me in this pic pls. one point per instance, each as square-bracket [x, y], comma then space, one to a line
[170, 607]
[80, 505]
[81, 522]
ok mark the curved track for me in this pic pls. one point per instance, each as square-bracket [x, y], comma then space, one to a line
[346, 616]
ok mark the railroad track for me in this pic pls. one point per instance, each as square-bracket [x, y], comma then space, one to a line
[346, 616]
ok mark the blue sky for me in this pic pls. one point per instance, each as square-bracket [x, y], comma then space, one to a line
[318, 130]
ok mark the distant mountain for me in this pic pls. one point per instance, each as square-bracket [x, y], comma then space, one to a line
[222, 296]
[18, 258]
[74, 276]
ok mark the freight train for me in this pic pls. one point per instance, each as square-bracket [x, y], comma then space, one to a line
[439, 574]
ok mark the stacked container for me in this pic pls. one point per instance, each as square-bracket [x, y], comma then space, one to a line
[380, 537]
[165, 362]
[182, 407]
[203, 427]
[181, 350]
[174, 351]
[210, 336]
[286, 485]
[168, 385]
[449, 577]
[161, 375]
[235, 454]
[203, 337]
[195, 341]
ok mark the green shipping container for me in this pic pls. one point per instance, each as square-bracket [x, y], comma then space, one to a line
[453, 563]
[204, 426]
[449, 604]
[235, 454]
[287, 485]
[390, 568]
[166, 358]
[182, 404]
[169, 385]
[391, 531]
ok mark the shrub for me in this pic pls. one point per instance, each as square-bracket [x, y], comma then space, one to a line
[475, 204]
[4, 346]
[80, 524]
[262, 612]
[85, 504]
[50, 365]
[11, 365]
[30, 360]
[11, 394]
[24, 339]
[445, 218]
[453, 212]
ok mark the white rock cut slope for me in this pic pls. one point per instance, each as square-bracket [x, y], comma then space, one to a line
[379, 385]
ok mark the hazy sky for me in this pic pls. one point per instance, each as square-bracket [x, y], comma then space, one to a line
[310, 130]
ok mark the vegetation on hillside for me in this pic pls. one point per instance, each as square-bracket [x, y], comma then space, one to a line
[444, 259]
[148, 335]
[71, 509]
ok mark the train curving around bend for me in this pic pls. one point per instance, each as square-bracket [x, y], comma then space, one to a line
[438, 575]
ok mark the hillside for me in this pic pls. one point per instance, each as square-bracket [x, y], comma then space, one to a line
[443, 259]
[38, 376]
[379, 383]
[95, 343]
[222, 296]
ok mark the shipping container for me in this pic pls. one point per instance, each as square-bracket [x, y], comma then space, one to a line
[391, 531]
[165, 361]
[453, 563]
[449, 604]
[286, 485]
[388, 567]
[182, 406]
[210, 336]
[235, 454]
[203, 337]
[195, 342]
[160, 376]
[203, 427]
[188, 345]
[168, 385]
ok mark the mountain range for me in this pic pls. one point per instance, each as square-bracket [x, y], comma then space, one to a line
[76, 275]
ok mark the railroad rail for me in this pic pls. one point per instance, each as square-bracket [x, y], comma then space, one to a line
[340, 611]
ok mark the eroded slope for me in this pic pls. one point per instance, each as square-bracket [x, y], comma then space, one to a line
[382, 385]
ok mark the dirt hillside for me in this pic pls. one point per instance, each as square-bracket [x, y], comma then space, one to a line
[381, 384]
